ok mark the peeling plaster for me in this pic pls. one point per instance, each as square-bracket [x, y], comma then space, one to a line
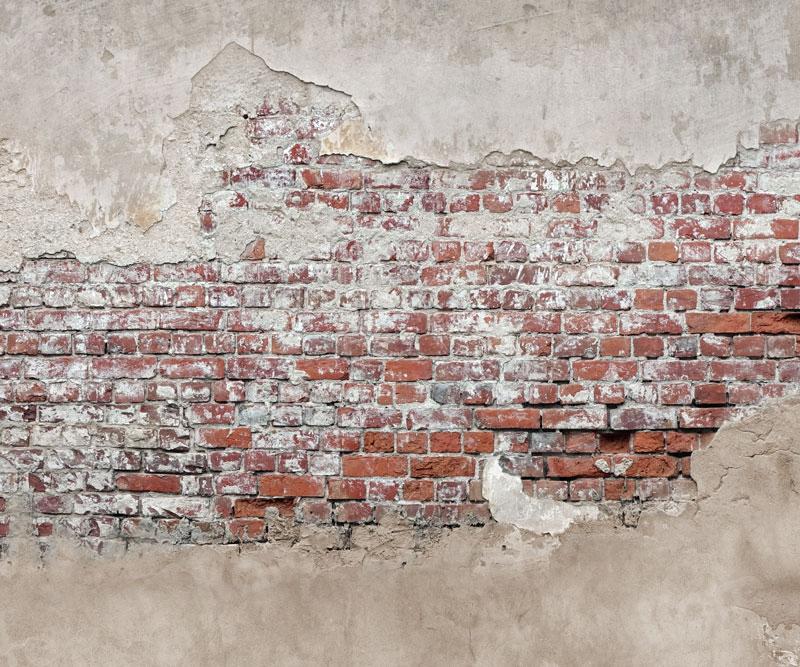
[509, 504]
[116, 116]
[93, 90]
[715, 585]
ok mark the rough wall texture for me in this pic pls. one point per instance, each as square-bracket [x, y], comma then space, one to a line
[716, 585]
[588, 325]
[647, 83]
[322, 371]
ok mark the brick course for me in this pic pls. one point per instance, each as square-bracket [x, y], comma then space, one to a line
[592, 326]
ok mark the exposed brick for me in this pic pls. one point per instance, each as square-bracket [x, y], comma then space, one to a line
[500, 418]
[374, 466]
[374, 370]
[443, 466]
[240, 437]
[718, 322]
[149, 483]
[408, 370]
[279, 486]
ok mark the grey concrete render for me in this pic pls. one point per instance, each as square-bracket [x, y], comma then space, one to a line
[115, 115]
[95, 91]
[706, 583]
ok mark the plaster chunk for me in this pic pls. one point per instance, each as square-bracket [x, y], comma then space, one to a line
[509, 504]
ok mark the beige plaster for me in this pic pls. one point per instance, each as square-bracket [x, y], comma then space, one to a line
[716, 585]
[93, 92]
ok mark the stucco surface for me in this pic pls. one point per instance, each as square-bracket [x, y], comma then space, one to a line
[711, 583]
[115, 119]
[94, 93]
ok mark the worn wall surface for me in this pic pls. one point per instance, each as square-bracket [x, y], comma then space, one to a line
[715, 584]
[307, 309]
[94, 92]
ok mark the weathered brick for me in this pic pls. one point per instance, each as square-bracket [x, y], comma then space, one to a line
[372, 370]
[149, 483]
[281, 486]
[442, 466]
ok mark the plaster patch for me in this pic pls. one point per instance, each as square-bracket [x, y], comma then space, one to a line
[484, 79]
[355, 137]
[508, 503]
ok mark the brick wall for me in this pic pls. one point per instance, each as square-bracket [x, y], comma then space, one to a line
[592, 326]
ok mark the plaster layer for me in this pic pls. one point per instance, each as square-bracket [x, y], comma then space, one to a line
[509, 503]
[716, 585]
[93, 90]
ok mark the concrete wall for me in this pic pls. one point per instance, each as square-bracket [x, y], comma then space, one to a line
[526, 258]
[94, 90]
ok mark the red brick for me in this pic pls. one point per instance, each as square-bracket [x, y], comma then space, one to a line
[446, 251]
[374, 466]
[418, 489]
[247, 530]
[508, 418]
[718, 322]
[324, 369]
[578, 442]
[619, 489]
[192, 367]
[347, 489]
[433, 345]
[653, 466]
[665, 203]
[648, 441]
[149, 483]
[434, 202]
[783, 228]
[378, 441]
[710, 394]
[608, 371]
[704, 417]
[211, 413]
[445, 442]
[662, 251]
[616, 346]
[443, 466]
[649, 299]
[123, 367]
[749, 298]
[353, 512]
[257, 461]
[572, 466]
[762, 203]
[330, 179]
[749, 346]
[681, 443]
[465, 204]
[614, 442]
[776, 323]
[729, 204]
[408, 370]
[681, 299]
[497, 203]
[575, 418]
[279, 486]
[789, 253]
[240, 437]
[478, 442]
